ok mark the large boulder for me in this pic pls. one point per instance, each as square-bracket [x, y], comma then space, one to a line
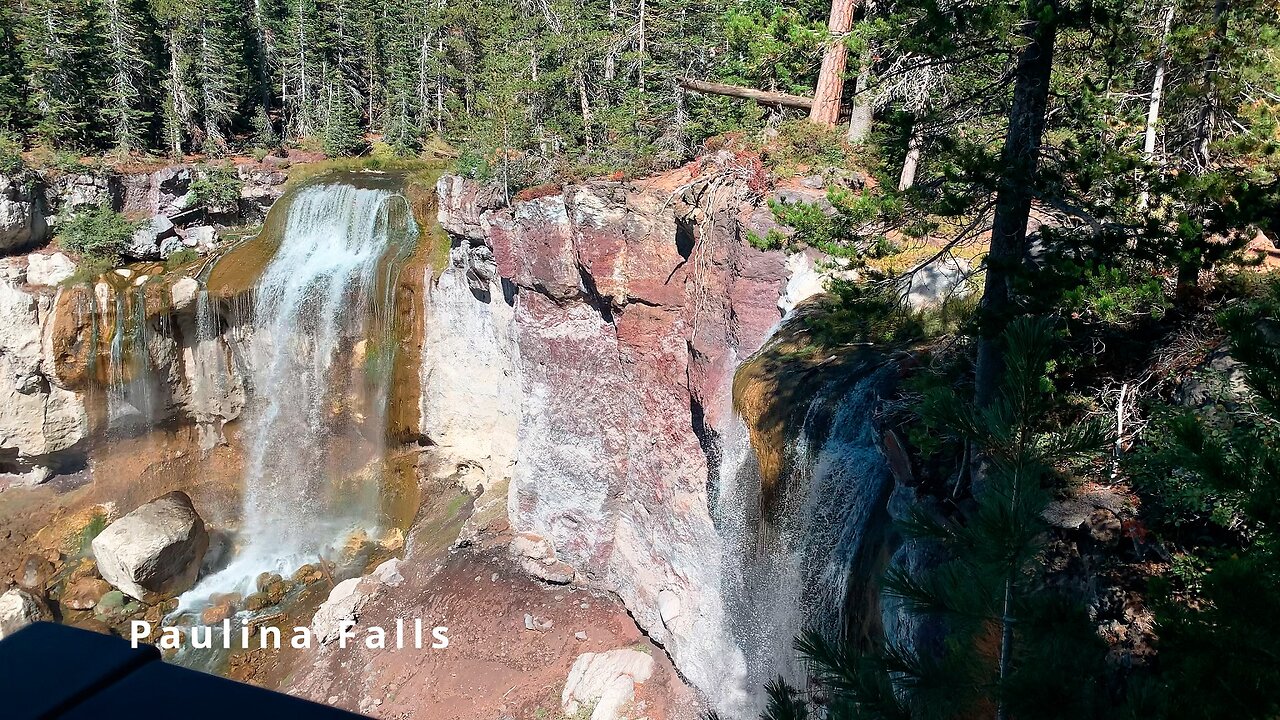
[154, 552]
[18, 609]
[49, 269]
[605, 682]
[22, 221]
[146, 241]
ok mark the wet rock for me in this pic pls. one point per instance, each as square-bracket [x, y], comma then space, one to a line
[256, 602]
[93, 625]
[308, 574]
[85, 568]
[184, 293]
[33, 574]
[605, 682]
[154, 552]
[218, 612]
[110, 604]
[276, 591]
[18, 609]
[392, 540]
[49, 269]
[85, 593]
[22, 220]
[266, 579]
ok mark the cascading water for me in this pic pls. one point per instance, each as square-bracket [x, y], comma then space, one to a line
[791, 553]
[315, 346]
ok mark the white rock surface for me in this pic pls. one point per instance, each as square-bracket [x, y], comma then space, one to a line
[201, 237]
[348, 598]
[608, 680]
[49, 269]
[471, 396]
[18, 609]
[38, 419]
[154, 552]
[146, 241]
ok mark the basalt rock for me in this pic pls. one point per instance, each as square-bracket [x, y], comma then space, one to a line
[594, 367]
[154, 552]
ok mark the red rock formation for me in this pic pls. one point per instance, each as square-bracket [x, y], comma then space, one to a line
[631, 307]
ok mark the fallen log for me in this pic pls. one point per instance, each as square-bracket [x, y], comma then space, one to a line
[763, 97]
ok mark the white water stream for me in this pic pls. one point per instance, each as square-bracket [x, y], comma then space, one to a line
[318, 330]
[788, 568]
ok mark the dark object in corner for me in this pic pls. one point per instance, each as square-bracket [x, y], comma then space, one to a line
[55, 671]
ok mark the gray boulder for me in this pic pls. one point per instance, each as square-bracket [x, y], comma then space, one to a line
[154, 552]
[22, 221]
[18, 609]
[146, 241]
[934, 283]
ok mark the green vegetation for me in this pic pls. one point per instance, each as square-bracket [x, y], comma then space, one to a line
[100, 235]
[11, 161]
[217, 188]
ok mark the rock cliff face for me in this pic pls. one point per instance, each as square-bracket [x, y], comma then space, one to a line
[32, 202]
[42, 424]
[581, 346]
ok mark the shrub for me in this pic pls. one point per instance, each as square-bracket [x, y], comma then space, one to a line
[98, 234]
[1115, 296]
[185, 256]
[10, 154]
[218, 187]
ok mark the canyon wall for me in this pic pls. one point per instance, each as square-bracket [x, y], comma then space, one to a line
[581, 347]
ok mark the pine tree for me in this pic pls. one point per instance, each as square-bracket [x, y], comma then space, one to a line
[130, 107]
[220, 32]
[342, 133]
[61, 44]
[14, 111]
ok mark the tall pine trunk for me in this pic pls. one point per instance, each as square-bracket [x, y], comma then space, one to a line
[1209, 108]
[1157, 95]
[1019, 162]
[826, 97]
[915, 143]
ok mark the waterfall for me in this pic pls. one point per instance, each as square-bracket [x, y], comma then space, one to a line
[135, 395]
[316, 339]
[790, 564]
